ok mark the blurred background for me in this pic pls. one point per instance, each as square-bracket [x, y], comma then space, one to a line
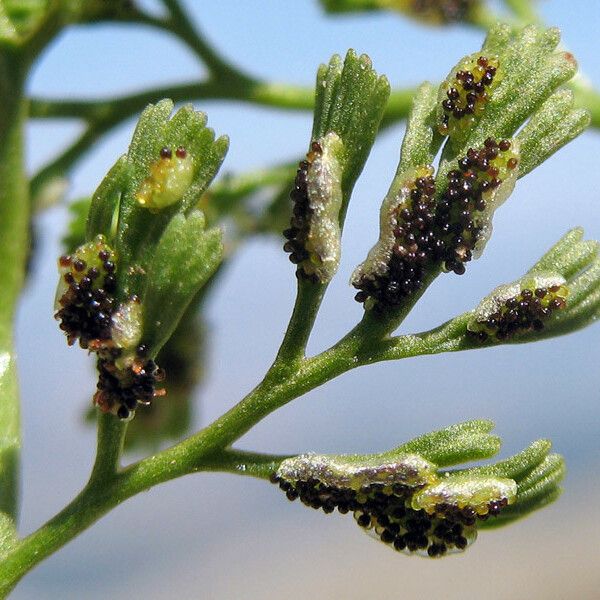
[221, 536]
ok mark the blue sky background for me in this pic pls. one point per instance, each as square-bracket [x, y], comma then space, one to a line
[218, 536]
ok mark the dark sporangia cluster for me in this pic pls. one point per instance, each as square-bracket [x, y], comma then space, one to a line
[445, 11]
[467, 92]
[121, 390]
[463, 212]
[298, 231]
[418, 231]
[414, 246]
[520, 313]
[84, 298]
[387, 513]
[88, 312]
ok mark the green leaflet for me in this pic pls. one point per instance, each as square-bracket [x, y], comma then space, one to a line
[139, 228]
[185, 257]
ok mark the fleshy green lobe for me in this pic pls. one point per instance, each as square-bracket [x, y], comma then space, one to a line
[456, 444]
[139, 228]
[350, 100]
[186, 256]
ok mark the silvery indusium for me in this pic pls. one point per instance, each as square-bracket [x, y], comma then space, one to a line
[500, 113]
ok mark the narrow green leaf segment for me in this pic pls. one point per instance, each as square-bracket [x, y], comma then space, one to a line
[402, 498]
[350, 99]
[122, 294]
[558, 295]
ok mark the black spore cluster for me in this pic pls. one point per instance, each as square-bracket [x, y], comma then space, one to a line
[386, 513]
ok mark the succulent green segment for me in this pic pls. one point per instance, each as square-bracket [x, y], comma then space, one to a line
[534, 68]
[558, 295]
[421, 140]
[402, 498]
[123, 292]
[147, 194]
[570, 256]
[103, 211]
[456, 444]
[185, 257]
[538, 475]
[349, 102]
[555, 124]
[430, 223]
[139, 228]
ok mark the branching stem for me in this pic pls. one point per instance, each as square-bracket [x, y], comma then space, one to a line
[208, 450]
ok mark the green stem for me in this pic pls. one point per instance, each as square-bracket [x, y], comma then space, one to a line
[92, 503]
[47, 30]
[233, 187]
[100, 495]
[448, 337]
[102, 116]
[180, 25]
[241, 462]
[111, 436]
[308, 300]
[14, 224]
[360, 347]
[272, 393]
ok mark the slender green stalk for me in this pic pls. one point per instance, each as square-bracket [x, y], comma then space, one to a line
[240, 462]
[96, 499]
[358, 348]
[308, 300]
[14, 224]
[45, 32]
[235, 186]
[111, 436]
[181, 25]
[102, 116]
[88, 507]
